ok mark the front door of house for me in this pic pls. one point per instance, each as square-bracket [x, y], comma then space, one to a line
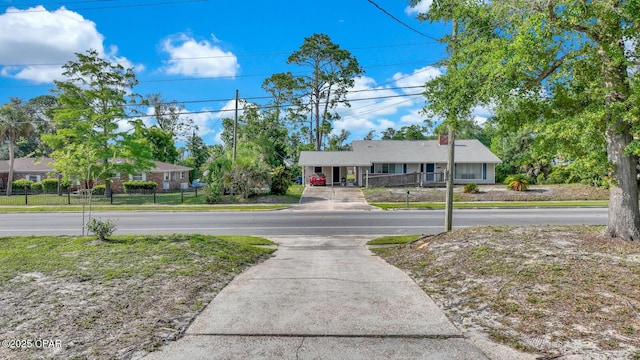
[336, 174]
[430, 172]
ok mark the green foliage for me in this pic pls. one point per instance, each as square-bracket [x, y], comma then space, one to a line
[470, 188]
[49, 185]
[98, 189]
[88, 144]
[22, 184]
[517, 182]
[102, 229]
[162, 144]
[136, 185]
[280, 181]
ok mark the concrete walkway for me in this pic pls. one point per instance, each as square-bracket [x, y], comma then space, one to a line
[321, 298]
[322, 198]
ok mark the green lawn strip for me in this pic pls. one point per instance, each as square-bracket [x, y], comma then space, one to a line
[493, 204]
[76, 208]
[124, 255]
[394, 239]
[247, 240]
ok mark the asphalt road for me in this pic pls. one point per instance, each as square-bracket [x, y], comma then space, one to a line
[291, 222]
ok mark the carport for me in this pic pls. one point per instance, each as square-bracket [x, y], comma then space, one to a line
[334, 164]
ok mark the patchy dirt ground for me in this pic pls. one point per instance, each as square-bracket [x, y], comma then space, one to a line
[563, 291]
[100, 309]
[489, 193]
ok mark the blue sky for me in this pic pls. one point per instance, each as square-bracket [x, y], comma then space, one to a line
[200, 52]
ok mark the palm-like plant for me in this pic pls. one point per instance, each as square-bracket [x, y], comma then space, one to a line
[14, 124]
[517, 182]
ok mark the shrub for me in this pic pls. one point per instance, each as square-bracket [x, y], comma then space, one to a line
[49, 185]
[133, 186]
[517, 182]
[22, 184]
[102, 229]
[470, 188]
[280, 181]
[99, 189]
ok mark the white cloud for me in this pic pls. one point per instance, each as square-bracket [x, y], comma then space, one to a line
[422, 7]
[418, 78]
[198, 58]
[34, 43]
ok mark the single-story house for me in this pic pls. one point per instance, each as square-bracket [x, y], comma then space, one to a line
[425, 160]
[167, 176]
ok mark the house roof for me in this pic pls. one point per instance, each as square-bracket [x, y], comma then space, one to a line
[43, 165]
[28, 165]
[368, 152]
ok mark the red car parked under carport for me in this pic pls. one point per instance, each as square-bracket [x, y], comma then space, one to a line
[317, 179]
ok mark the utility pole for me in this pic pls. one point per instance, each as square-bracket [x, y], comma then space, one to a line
[448, 221]
[235, 129]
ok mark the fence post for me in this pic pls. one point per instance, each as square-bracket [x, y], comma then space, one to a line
[26, 196]
[154, 196]
[69, 195]
[181, 195]
[111, 198]
[196, 191]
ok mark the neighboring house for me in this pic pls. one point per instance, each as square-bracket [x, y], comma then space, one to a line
[425, 160]
[167, 176]
[26, 168]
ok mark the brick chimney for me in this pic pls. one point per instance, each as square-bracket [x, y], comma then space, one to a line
[443, 140]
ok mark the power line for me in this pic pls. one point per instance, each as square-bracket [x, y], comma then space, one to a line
[402, 22]
[186, 113]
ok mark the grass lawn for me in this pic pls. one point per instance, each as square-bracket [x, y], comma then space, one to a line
[112, 299]
[493, 204]
[394, 240]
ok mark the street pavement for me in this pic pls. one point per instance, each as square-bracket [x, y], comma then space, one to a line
[325, 297]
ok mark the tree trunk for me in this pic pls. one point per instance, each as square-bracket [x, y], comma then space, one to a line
[107, 189]
[11, 161]
[624, 216]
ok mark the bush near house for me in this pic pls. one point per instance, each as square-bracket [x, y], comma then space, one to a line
[137, 186]
[470, 188]
[99, 189]
[22, 184]
[517, 182]
[49, 185]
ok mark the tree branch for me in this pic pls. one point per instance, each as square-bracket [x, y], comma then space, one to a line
[543, 75]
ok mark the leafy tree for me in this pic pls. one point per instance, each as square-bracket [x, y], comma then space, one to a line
[370, 135]
[88, 144]
[338, 142]
[14, 124]
[316, 95]
[563, 63]
[169, 115]
[410, 132]
[198, 155]
[162, 145]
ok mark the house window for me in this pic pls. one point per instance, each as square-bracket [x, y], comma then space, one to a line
[317, 169]
[167, 176]
[138, 177]
[468, 171]
[34, 178]
[182, 175]
[388, 168]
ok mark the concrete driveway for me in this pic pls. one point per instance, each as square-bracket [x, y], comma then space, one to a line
[322, 298]
[321, 198]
